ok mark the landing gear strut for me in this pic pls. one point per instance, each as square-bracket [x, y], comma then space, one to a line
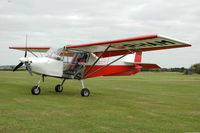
[36, 89]
[59, 87]
[85, 91]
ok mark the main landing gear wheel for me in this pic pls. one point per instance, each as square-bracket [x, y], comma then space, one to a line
[35, 90]
[85, 92]
[58, 88]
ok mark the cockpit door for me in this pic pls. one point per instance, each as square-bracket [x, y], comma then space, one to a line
[76, 66]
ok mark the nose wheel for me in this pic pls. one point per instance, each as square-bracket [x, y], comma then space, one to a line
[36, 89]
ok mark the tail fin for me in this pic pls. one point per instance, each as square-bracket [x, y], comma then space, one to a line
[138, 57]
[138, 65]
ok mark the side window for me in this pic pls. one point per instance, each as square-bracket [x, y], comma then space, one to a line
[67, 59]
[82, 57]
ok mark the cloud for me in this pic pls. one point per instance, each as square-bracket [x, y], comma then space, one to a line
[63, 22]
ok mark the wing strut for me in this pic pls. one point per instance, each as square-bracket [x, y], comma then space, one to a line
[97, 60]
[32, 53]
[107, 64]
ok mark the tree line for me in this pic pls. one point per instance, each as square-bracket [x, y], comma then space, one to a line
[192, 70]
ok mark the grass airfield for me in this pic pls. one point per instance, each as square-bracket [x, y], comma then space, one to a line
[144, 103]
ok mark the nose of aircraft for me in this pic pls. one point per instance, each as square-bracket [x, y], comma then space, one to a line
[23, 59]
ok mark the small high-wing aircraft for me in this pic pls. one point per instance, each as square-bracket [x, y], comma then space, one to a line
[94, 59]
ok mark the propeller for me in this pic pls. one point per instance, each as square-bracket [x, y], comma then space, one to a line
[28, 68]
[24, 60]
[18, 66]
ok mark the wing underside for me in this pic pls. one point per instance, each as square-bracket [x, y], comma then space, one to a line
[135, 44]
[120, 47]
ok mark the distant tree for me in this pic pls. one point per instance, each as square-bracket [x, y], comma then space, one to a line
[196, 68]
[182, 69]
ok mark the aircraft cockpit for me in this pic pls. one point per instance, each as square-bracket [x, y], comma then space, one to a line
[73, 61]
[54, 54]
[75, 65]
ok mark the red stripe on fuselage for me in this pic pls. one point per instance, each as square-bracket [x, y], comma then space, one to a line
[113, 70]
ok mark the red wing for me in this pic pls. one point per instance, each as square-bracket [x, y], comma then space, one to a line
[135, 44]
[32, 49]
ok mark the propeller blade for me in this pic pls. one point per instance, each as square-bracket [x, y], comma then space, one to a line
[26, 48]
[18, 66]
[25, 53]
[28, 68]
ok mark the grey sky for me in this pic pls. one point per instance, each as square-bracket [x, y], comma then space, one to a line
[61, 22]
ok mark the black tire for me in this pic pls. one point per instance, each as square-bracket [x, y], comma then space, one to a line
[85, 92]
[35, 90]
[58, 88]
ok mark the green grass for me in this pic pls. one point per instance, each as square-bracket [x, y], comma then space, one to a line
[143, 103]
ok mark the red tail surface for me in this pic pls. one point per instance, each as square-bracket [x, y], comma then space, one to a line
[125, 70]
[138, 57]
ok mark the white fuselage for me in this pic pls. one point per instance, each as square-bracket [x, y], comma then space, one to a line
[46, 66]
[52, 67]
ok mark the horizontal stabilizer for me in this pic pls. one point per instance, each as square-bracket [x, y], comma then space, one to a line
[145, 65]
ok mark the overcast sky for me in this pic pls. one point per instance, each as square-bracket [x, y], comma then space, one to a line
[60, 22]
